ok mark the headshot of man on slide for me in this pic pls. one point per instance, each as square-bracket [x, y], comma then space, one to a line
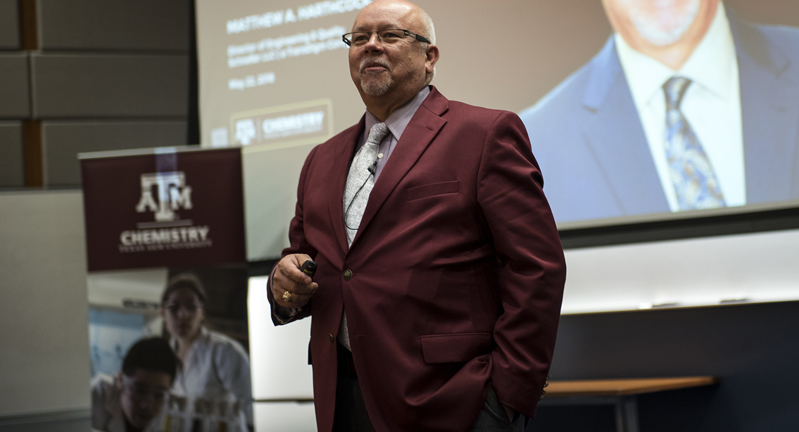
[686, 107]
[439, 279]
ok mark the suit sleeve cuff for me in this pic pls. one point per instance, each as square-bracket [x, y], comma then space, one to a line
[282, 315]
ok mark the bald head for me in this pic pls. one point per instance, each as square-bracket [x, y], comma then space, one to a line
[414, 13]
[388, 73]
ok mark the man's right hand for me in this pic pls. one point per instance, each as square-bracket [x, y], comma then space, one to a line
[289, 278]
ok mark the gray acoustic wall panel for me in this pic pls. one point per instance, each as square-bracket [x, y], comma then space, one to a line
[14, 86]
[114, 24]
[85, 86]
[9, 24]
[12, 163]
[62, 141]
[44, 315]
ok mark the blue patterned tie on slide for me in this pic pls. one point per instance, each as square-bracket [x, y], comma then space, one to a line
[691, 172]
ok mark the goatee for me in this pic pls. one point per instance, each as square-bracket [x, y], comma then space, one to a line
[378, 85]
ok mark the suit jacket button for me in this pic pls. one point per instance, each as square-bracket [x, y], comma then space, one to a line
[330, 337]
[347, 274]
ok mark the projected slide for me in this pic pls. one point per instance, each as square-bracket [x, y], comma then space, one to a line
[686, 107]
[636, 109]
[267, 70]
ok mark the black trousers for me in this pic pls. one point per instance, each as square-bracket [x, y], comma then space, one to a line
[350, 414]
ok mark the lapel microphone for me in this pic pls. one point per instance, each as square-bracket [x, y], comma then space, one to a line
[373, 169]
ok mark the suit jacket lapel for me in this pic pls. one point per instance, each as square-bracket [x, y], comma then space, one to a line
[419, 133]
[617, 139]
[339, 169]
[769, 114]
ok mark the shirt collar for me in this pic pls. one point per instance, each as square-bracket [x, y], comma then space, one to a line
[710, 65]
[712, 62]
[399, 119]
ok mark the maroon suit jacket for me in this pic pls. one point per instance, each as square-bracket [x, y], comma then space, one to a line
[457, 271]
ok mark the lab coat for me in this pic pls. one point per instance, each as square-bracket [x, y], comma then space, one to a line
[216, 368]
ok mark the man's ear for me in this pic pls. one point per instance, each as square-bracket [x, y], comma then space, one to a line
[432, 55]
[119, 379]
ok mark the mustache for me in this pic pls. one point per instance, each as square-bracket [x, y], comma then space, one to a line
[365, 63]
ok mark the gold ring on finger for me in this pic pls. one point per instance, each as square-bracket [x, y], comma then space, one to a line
[287, 296]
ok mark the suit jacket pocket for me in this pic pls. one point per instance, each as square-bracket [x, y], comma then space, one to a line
[432, 189]
[454, 348]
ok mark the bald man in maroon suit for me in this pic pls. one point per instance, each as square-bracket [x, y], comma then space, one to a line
[440, 273]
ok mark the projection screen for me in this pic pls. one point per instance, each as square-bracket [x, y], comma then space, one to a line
[274, 79]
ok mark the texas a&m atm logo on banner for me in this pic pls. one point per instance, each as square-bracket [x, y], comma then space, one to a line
[172, 193]
[164, 209]
[162, 195]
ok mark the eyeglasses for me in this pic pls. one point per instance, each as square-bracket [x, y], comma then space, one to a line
[141, 392]
[386, 37]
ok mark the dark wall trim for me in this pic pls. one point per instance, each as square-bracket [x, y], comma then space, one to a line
[28, 28]
[772, 220]
[193, 132]
[32, 150]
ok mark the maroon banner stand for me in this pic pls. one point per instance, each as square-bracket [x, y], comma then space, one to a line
[169, 209]
[167, 290]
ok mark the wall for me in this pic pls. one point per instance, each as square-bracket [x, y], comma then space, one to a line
[44, 355]
[753, 349]
[88, 75]
[14, 94]
[78, 76]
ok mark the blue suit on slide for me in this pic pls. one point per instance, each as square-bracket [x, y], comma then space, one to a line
[589, 142]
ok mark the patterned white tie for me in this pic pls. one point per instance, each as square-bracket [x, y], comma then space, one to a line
[360, 182]
[692, 174]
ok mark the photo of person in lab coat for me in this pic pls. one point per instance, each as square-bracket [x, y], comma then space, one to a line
[133, 401]
[215, 368]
